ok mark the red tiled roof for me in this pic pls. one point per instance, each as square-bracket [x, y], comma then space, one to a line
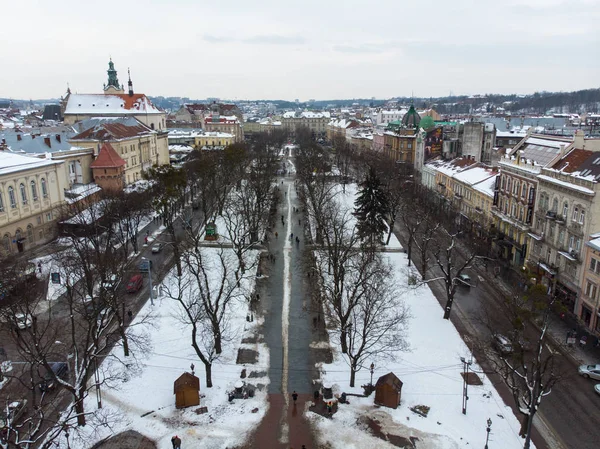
[107, 158]
[572, 161]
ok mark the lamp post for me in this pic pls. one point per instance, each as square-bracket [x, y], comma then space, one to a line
[466, 365]
[150, 279]
[488, 429]
[372, 369]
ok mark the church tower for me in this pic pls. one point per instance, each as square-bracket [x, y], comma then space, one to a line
[113, 86]
[129, 84]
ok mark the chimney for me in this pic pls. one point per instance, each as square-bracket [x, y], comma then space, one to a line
[19, 138]
[47, 142]
[579, 139]
[58, 138]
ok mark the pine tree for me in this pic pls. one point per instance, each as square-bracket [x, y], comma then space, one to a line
[371, 209]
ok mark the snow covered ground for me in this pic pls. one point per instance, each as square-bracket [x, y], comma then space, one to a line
[145, 401]
[431, 373]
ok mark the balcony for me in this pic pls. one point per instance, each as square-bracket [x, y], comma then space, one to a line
[458, 196]
[551, 215]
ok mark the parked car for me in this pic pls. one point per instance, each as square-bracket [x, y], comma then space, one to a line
[464, 279]
[135, 283]
[590, 371]
[111, 283]
[597, 388]
[502, 344]
[157, 248]
[22, 320]
[59, 370]
[12, 413]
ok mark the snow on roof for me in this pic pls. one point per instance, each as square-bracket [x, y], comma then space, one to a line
[568, 185]
[595, 244]
[102, 104]
[547, 142]
[487, 186]
[306, 114]
[474, 175]
[14, 163]
[449, 168]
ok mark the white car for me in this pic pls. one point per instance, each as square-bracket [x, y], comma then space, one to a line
[597, 388]
[590, 371]
[502, 344]
[111, 283]
[465, 279]
[22, 321]
[157, 248]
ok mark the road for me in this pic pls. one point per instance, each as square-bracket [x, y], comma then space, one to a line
[568, 418]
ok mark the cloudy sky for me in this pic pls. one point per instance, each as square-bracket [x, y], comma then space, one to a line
[320, 49]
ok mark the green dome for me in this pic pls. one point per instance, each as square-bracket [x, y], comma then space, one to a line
[427, 122]
[411, 119]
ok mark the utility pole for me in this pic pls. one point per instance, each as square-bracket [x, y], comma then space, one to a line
[466, 365]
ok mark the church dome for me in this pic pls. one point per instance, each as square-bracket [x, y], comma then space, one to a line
[411, 119]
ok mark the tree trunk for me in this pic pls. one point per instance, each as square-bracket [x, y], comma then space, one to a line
[352, 373]
[343, 341]
[79, 407]
[448, 307]
[409, 249]
[208, 367]
[218, 347]
[391, 225]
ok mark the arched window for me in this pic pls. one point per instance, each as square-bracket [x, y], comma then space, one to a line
[6, 243]
[523, 190]
[516, 188]
[575, 215]
[565, 213]
[582, 216]
[1, 203]
[152, 125]
[555, 205]
[34, 195]
[44, 188]
[12, 197]
[30, 237]
[23, 193]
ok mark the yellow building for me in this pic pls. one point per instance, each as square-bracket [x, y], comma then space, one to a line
[31, 195]
[139, 146]
[210, 140]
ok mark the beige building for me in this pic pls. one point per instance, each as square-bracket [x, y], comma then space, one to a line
[138, 145]
[31, 195]
[224, 125]
[315, 121]
[589, 304]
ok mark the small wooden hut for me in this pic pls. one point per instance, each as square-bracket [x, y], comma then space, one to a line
[187, 390]
[388, 390]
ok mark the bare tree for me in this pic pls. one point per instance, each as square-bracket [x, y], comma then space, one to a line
[528, 367]
[423, 239]
[376, 328]
[448, 259]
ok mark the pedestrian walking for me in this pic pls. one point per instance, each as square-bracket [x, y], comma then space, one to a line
[130, 314]
[276, 234]
[315, 322]
[583, 341]
[176, 442]
[295, 396]
[40, 267]
[330, 408]
[146, 240]
[292, 236]
[297, 241]
[299, 221]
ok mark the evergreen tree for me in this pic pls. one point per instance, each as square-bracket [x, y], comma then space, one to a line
[371, 209]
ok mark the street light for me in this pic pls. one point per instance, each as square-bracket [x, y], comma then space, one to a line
[150, 278]
[372, 369]
[466, 366]
[488, 429]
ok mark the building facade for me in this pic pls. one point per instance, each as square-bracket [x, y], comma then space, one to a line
[31, 197]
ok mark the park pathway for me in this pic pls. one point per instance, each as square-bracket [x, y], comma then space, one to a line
[288, 331]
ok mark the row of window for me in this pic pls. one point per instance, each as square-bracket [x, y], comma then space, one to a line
[12, 195]
[517, 187]
[578, 214]
[573, 241]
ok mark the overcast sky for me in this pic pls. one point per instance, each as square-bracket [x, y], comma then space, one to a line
[287, 49]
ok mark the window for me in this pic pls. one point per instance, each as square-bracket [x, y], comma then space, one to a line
[565, 210]
[590, 290]
[23, 193]
[30, 238]
[523, 190]
[516, 188]
[49, 217]
[571, 242]
[1, 203]
[555, 205]
[575, 214]
[508, 185]
[44, 188]
[593, 264]
[34, 195]
[12, 198]
[514, 210]
[582, 216]
[503, 182]
[561, 237]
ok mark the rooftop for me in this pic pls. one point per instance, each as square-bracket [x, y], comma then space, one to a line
[116, 104]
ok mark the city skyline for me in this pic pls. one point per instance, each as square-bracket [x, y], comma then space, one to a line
[266, 50]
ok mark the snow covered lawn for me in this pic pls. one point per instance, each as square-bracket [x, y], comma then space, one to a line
[431, 373]
[145, 401]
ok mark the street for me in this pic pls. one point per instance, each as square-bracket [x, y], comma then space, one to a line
[568, 417]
